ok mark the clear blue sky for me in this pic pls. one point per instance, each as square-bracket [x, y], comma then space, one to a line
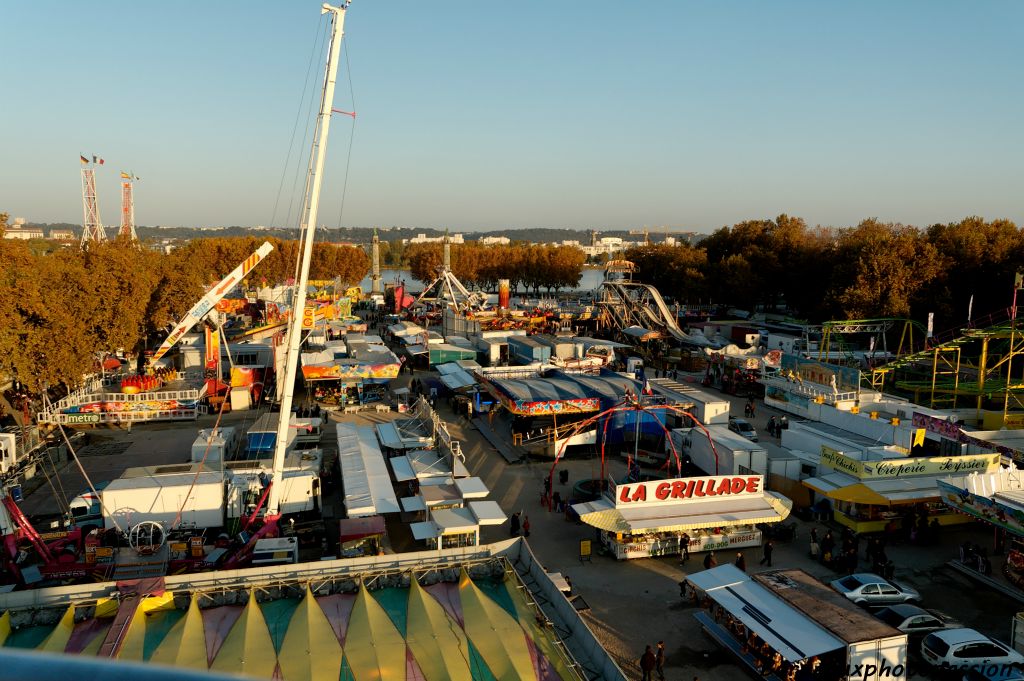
[485, 115]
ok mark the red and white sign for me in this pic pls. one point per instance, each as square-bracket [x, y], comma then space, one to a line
[683, 490]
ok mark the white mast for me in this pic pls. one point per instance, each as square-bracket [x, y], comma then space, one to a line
[308, 227]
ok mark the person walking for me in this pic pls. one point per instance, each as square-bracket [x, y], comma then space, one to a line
[741, 562]
[526, 526]
[513, 525]
[767, 558]
[684, 547]
[647, 663]
[709, 560]
[659, 661]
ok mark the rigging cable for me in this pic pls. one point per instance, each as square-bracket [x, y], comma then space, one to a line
[92, 487]
[352, 134]
[295, 126]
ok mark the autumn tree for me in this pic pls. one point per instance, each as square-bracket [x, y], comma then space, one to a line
[880, 268]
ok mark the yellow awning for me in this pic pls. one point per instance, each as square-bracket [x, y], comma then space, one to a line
[374, 648]
[310, 649]
[185, 643]
[498, 637]
[857, 493]
[248, 648]
[774, 509]
[437, 643]
[58, 639]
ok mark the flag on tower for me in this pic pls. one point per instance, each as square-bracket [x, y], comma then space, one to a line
[101, 161]
[84, 160]
[125, 176]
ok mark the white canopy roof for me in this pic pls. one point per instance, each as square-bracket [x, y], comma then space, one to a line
[428, 464]
[472, 488]
[792, 634]
[413, 504]
[364, 474]
[394, 436]
[402, 469]
[676, 517]
[488, 512]
[454, 520]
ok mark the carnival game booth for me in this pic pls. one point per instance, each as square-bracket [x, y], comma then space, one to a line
[885, 494]
[997, 499]
[353, 371]
[719, 512]
[787, 626]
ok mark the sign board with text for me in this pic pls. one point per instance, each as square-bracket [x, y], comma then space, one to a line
[683, 490]
[887, 469]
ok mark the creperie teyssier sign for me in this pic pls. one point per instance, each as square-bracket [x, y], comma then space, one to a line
[684, 490]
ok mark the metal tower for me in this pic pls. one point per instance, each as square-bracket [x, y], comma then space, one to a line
[92, 228]
[127, 208]
[447, 252]
[375, 256]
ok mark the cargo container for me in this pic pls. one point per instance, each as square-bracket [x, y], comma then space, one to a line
[159, 496]
[218, 446]
[736, 455]
[527, 350]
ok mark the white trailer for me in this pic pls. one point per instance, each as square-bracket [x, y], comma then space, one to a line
[736, 455]
[216, 446]
[159, 498]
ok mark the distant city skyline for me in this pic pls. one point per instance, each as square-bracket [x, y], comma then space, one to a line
[481, 117]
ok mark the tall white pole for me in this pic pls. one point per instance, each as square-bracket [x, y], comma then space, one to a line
[323, 126]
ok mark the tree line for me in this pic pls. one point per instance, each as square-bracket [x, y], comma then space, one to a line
[874, 270]
[60, 309]
[531, 266]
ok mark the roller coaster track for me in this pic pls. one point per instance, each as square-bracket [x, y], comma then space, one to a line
[634, 304]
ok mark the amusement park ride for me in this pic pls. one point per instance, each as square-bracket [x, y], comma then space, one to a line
[973, 366]
[74, 555]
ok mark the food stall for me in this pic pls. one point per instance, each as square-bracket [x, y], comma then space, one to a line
[642, 519]
[879, 494]
[456, 527]
[786, 625]
[361, 536]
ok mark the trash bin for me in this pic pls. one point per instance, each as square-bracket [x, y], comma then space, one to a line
[563, 477]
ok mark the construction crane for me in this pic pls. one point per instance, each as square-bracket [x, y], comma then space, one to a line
[645, 232]
[212, 297]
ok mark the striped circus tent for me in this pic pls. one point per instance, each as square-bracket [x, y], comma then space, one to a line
[474, 630]
[248, 648]
[185, 643]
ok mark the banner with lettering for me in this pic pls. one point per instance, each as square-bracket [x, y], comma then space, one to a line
[906, 468]
[680, 490]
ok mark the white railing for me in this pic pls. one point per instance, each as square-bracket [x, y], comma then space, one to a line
[812, 390]
[63, 419]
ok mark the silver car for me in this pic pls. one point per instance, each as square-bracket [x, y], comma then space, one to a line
[912, 620]
[865, 588]
[743, 427]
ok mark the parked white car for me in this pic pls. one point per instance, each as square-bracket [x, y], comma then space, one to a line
[967, 649]
[864, 588]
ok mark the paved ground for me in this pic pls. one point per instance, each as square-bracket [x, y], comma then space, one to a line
[633, 603]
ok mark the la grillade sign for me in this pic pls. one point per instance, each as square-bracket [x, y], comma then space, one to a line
[680, 490]
[905, 468]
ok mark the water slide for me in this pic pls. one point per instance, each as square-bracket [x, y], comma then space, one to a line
[644, 302]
